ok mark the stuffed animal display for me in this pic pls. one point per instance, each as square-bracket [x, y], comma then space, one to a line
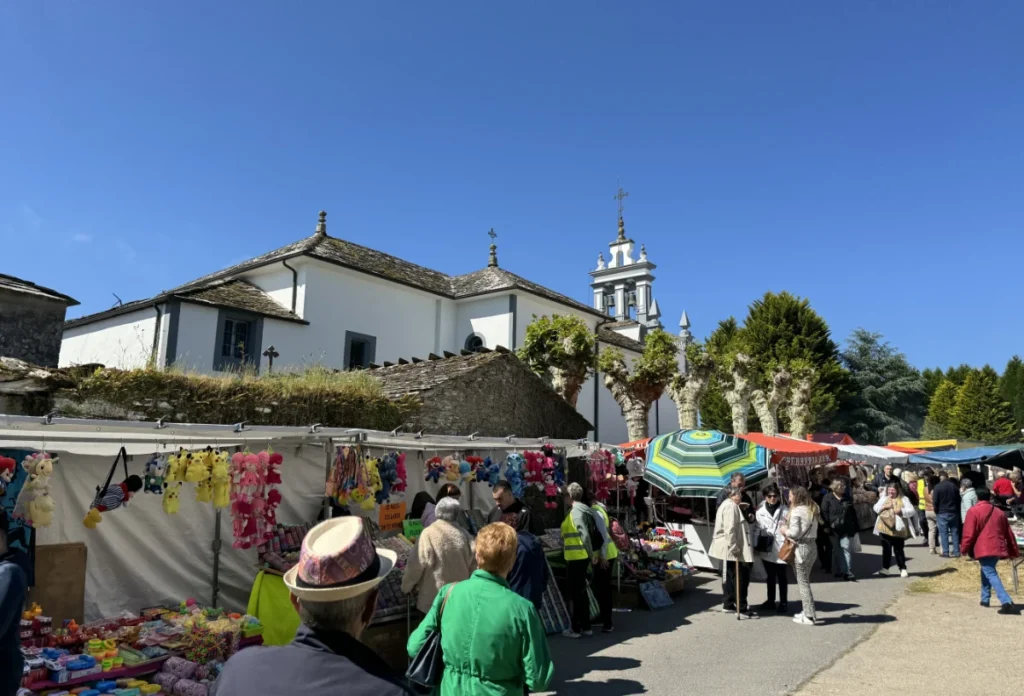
[434, 469]
[171, 501]
[514, 473]
[254, 496]
[34, 501]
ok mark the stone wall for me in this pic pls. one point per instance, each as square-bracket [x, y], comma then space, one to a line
[497, 399]
[31, 328]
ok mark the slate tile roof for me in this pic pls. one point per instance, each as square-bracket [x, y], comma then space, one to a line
[12, 284]
[364, 260]
[606, 335]
[417, 377]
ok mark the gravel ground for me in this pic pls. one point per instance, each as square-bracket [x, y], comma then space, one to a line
[694, 648]
[954, 624]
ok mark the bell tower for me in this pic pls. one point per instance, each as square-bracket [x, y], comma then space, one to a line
[622, 285]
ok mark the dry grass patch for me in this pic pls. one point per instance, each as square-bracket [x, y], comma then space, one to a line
[960, 575]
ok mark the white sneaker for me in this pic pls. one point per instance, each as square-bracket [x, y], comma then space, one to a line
[803, 620]
[569, 633]
[904, 574]
[798, 617]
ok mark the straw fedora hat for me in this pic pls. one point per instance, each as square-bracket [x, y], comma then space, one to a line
[338, 561]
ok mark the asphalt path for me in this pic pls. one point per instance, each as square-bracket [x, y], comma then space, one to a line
[694, 648]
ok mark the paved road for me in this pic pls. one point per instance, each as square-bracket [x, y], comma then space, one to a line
[695, 649]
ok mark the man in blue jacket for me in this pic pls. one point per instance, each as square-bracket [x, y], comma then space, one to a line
[529, 575]
[12, 602]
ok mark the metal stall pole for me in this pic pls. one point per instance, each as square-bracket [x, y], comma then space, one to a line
[328, 460]
[216, 558]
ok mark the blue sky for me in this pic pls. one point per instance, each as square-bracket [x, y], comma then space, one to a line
[867, 155]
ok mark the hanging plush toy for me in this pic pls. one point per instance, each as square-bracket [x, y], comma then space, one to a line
[176, 467]
[534, 470]
[451, 468]
[273, 478]
[7, 469]
[171, 501]
[466, 471]
[197, 466]
[491, 471]
[34, 501]
[403, 475]
[388, 470]
[434, 469]
[514, 473]
[220, 477]
[153, 482]
[112, 496]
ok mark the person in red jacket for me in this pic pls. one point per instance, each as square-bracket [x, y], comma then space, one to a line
[988, 539]
[1002, 486]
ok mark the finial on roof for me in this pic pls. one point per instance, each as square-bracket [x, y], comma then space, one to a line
[643, 252]
[684, 321]
[620, 196]
[321, 225]
[622, 231]
[600, 261]
[492, 262]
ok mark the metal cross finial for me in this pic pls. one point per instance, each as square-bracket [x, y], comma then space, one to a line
[270, 353]
[620, 196]
[492, 234]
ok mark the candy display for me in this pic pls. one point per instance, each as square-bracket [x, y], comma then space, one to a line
[281, 551]
[189, 641]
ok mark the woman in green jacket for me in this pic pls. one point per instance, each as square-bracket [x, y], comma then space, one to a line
[492, 639]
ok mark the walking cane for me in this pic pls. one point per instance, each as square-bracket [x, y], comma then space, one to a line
[737, 589]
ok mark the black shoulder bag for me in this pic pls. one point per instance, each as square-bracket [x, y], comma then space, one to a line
[425, 670]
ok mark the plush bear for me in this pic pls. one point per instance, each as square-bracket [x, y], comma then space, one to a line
[153, 481]
[388, 472]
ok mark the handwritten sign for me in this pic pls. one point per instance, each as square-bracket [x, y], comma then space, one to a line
[412, 529]
[391, 516]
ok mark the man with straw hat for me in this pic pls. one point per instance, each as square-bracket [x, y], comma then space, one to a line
[334, 589]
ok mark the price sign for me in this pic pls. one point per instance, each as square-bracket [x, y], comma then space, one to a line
[412, 529]
[391, 516]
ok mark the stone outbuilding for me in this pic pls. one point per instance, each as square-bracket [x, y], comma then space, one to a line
[490, 393]
[31, 321]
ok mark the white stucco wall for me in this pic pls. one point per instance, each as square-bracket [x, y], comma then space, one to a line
[403, 320]
[197, 337]
[488, 316]
[124, 342]
[528, 305]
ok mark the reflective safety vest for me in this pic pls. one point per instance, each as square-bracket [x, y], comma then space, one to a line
[920, 494]
[572, 541]
[611, 551]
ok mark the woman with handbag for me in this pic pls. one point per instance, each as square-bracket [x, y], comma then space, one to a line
[801, 547]
[480, 637]
[771, 535]
[894, 512]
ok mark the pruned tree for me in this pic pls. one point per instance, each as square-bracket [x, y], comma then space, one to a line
[637, 389]
[688, 390]
[767, 404]
[801, 393]
[737, 388]
[561, 349]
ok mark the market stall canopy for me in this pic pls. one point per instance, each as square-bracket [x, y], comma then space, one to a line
[1004, 456]
[792, 452]
[700, 462]
[634, 445]
[832, 438]
[928, 445]
[871, 454]
[904, 450]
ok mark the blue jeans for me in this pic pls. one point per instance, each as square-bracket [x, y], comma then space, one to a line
[990, 580]
[841, 555]
[949, 525]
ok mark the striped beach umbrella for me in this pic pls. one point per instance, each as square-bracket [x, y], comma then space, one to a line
[700, 462]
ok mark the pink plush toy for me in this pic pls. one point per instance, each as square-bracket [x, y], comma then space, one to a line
[403, 475]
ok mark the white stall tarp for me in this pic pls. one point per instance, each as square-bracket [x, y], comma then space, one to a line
[871, 454]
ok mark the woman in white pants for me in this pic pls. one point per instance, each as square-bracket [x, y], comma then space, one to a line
[803, 531]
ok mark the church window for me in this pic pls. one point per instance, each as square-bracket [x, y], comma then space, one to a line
[475, 343]
[238, 341]
[360, 350]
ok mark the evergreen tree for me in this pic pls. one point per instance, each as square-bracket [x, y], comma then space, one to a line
[932, 380]
[940, 411]
[715, 413]
[887, 402]
[981, 414]
[1011, 386]
[958, 375]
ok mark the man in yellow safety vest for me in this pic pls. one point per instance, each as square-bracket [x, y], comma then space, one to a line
[605, 566]
[578, 550]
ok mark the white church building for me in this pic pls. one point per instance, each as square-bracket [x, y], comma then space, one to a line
[327, 301]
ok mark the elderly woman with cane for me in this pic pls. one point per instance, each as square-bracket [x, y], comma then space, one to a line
[731, 544]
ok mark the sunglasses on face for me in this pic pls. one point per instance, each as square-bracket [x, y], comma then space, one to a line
[771, 495]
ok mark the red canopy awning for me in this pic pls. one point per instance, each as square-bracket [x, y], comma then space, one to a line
[904, 450]
[793, 452]
[634, 445]
[832, 438]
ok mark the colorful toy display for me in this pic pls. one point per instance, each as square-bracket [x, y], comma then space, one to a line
[153, 475]
[514, 473]
[8, 467]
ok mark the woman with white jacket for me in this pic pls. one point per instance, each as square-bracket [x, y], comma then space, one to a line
[771, 525]
[443, 554]
[803, 531]
[895, 515]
